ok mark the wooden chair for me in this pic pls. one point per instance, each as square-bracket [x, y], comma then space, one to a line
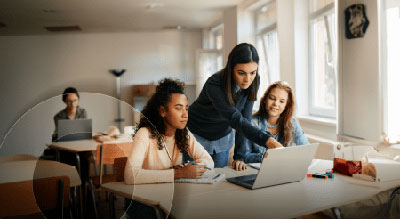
[119, 164]
[48, 196]
[106, 153]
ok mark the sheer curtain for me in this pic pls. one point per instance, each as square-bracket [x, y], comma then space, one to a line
[271, 48]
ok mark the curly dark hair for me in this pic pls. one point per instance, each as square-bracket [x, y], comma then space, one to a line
[150, 116]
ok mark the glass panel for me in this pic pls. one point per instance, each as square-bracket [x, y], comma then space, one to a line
[324, 75]
[393, 69]
[208, 64]
[267, 47]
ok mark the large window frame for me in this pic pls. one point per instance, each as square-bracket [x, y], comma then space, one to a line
[326, 15]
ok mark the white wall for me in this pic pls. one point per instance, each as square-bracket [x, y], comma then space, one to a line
[36, 68]
[285, 27]
[230, 31]
[360, 79]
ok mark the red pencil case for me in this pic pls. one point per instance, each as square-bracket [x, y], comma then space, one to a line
[346, 167]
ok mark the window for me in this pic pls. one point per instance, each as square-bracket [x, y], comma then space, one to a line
[392, 17]
[267, 46]
[322, 66]
[209, 59]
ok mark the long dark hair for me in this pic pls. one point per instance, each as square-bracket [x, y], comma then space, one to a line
[242, 53]
[150, 116]
[285, 119]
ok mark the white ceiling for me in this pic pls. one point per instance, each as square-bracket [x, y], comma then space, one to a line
[29, 17]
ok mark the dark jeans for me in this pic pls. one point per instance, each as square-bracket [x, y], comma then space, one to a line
[137, 210]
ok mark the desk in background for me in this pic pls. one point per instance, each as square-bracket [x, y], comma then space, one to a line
[29, 170]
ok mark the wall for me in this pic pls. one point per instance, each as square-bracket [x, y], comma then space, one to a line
[230, 31]
[360, 79]
[37, 68]
[285, 27]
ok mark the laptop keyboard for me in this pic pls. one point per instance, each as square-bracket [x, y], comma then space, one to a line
[249, 179]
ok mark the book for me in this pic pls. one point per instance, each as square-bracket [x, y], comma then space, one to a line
[255, 165]
[207, 179]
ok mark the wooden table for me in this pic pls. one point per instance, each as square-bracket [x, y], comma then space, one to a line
[81, 146]
[227, 200]
[26, 170]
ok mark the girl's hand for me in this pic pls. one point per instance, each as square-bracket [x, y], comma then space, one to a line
[239, 165]
[272, 143]
[190, 171]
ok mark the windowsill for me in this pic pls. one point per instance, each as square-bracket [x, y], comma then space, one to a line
[318, 120]
[318, 126]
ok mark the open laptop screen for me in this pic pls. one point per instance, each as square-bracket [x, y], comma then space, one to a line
[77, 129]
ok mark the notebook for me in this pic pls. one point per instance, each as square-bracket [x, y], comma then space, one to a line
[283, 165]
[74, 129]
[207, 178]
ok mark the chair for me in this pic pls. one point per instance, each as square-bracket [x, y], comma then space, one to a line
[106, 153]
[119, 164]
[47, 195]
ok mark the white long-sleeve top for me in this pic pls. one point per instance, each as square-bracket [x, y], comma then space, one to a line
[148, 164]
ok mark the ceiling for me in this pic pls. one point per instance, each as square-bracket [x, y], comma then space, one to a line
[29, 17]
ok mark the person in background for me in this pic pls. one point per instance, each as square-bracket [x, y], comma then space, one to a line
[72, 110]
[225, 103]
[275, 116]
[163, 145]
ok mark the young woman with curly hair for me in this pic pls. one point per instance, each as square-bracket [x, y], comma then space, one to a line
[162, 144]
[162, 140]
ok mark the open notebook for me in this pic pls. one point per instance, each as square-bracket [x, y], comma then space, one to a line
[207, 178]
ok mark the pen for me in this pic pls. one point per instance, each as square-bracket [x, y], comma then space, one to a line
[193, 163]
[322, 176]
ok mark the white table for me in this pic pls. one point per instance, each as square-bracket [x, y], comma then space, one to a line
[227, 200]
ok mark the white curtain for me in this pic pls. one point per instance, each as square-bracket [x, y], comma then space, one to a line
[271, 50]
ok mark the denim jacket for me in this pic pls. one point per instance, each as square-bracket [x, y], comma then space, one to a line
[250, 152]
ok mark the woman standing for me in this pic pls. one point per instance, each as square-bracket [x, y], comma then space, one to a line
[226, 103]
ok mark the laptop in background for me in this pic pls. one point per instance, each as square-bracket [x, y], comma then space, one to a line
[284, 165]
[74, 129]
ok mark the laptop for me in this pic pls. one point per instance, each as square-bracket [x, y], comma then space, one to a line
[283, 165]
[74, 129]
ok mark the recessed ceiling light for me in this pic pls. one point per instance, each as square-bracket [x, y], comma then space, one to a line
[154, 5]
[49, 10]
[63, 28]
[264, 9]
[178, 27]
